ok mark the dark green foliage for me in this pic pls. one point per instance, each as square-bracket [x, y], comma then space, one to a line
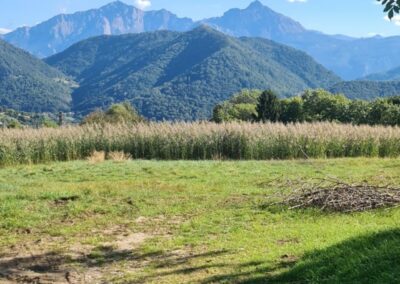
[241, 107]
[292, 110]
[392, 7]
[320, 105]
[313, 105]
[268, 107]
[181, 76]
[394, 100]
[10, 118]
[29, 84]
[117, 113]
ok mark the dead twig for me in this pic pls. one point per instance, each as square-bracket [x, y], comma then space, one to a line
[338, 196]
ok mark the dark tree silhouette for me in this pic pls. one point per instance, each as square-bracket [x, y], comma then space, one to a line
[268, 107]
[392, 7]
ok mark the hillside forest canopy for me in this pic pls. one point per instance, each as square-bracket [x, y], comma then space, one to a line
[311, 106]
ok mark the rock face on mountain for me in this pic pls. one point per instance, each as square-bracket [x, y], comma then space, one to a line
[116, 18]
[29, 84]
[181, 76]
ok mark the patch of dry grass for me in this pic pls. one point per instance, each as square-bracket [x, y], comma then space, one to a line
[118, 156]
[97, 157]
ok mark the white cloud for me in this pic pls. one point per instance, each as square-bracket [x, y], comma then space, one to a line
[142, 4]
[395, 20]
[3, 31]
[295, 1]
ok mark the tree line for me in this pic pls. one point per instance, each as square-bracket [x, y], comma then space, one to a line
[311, 106]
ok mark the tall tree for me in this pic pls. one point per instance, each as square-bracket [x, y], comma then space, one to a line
[392, 7]
[268, 107]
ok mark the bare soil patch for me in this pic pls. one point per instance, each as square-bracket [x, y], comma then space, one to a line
[39, 263]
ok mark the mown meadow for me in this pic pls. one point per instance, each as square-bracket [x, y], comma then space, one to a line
[191, 222]
[199, 141]
[193, 203]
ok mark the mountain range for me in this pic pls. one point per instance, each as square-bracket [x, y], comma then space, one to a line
[366, 90]
[391, 75]
[27, 83]
[350, 58]
[175, 76]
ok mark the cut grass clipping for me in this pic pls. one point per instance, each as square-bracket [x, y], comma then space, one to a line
[342, 197]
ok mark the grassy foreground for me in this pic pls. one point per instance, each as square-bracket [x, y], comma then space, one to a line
[190, 222]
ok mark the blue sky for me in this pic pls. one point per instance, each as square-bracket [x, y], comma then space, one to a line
[350, 17]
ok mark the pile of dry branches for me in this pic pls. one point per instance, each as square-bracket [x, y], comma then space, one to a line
[342, 197]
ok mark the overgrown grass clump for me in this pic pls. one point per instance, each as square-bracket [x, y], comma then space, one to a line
[200, 141]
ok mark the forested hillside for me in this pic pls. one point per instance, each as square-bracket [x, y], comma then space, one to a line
[367, 90]
[349, 57]
[29, 84]
[171, 75]
[391, 75]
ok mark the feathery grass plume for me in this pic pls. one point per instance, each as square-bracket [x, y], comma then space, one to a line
[199, 141]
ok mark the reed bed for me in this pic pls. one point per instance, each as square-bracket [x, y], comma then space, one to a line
[199, 141]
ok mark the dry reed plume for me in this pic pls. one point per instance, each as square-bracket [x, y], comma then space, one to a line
[199, 141]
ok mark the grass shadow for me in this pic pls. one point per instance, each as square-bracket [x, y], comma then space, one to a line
[57, 267]
[373, 258]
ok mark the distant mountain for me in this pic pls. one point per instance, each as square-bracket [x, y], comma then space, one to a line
[391, 75]
[256, 20]
[348, 57]
[172, 75]
[29, 84]
[4, 31]
[366, 90]
[116, 18]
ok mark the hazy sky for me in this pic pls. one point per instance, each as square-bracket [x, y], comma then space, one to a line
[350, 17]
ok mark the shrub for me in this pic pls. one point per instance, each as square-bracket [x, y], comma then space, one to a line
[117, 113]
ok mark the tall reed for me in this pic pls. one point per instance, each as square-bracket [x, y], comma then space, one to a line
[200, 141]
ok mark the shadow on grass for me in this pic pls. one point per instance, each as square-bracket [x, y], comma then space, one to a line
[373, 258]
[54, 267]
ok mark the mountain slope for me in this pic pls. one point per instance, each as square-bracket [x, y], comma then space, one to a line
[391, 75]
[366, 90]
[171, 75]
[256, 20]
[116, 18]
[28, 84]
[348, 57]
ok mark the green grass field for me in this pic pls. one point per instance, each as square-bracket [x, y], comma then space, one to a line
[191, 222]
